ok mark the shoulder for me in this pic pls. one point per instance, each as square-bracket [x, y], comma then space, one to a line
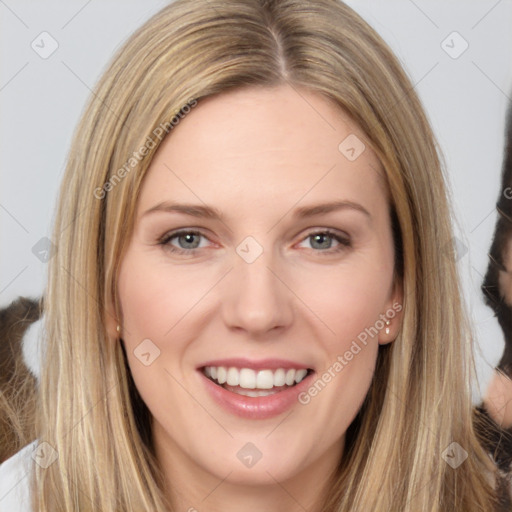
[15, 479]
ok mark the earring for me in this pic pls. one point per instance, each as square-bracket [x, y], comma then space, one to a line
[388, 323]
[118, 329]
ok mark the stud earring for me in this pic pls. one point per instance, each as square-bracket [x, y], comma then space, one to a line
[388, 323]
[118, 329]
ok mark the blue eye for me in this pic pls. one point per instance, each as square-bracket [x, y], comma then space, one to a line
[324, 238]
[189, 241]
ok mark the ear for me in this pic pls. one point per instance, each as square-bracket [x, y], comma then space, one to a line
[392, 316]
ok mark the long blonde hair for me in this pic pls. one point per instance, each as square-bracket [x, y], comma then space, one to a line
[418, 403]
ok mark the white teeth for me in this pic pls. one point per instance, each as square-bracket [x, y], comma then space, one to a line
[279, 377]
[290, 377]
[248, 378]
[265, 379]
[233, 378]
[221, 374]
[300, 374]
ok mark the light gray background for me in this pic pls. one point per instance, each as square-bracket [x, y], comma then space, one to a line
[42, 99]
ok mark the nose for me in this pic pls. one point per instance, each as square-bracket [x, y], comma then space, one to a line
[256, 298]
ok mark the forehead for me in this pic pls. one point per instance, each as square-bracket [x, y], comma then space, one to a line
[259, 147]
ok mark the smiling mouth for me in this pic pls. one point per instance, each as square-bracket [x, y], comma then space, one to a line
[255, 383]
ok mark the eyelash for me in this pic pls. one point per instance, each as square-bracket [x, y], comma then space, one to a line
[344, 243]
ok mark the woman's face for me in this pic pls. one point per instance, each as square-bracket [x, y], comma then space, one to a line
[240, 262]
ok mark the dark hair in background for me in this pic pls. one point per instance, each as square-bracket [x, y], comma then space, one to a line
[496, 440]
[494, 297]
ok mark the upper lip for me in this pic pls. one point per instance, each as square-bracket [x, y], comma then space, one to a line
[255, 364]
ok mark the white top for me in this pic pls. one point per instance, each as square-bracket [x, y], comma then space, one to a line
[14, 481]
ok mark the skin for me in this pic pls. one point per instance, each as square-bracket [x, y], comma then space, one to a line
[498, 399]
[256, 155]
[505, 278]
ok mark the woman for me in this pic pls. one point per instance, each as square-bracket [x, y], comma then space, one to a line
[256, 369]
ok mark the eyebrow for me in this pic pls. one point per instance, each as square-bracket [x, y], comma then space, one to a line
[210, 212]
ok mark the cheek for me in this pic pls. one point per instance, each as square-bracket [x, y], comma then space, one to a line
[348, 301]
[155, 298]
[152, 304]
[350, 308]
[150, 308]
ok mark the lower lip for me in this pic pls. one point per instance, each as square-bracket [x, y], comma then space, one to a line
[259, 407]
